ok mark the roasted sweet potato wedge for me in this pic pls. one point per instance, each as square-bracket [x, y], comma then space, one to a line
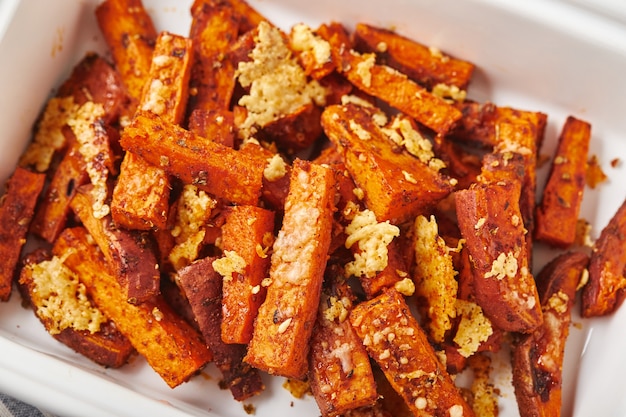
[606, 289]
[17, 208]
[537, 359]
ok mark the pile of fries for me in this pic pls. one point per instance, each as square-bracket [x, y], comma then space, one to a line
[322, 204]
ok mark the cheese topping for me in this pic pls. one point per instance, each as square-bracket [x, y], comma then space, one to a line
[90, 135]
[303, 39]
[364, 69]
[49, 137]
[276, 168]
[372, 238]
[505, 265]
[473, 329]
[402, 132]
[278, 84]
[229, 264]
[62, 298]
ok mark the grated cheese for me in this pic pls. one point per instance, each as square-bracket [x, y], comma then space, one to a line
[276, 168]
[278, 84]
[304, 40]
[372, 238]
[229, 264]
[62, 298]
[473, 329]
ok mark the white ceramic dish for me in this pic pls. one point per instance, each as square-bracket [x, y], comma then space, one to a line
[537, 55]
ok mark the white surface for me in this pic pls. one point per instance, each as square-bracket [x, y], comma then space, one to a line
[535, 55]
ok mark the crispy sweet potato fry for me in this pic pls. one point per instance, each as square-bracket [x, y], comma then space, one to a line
[557, 214]
[406, 96]
[17, 208]
[214, 28]
[407, 358]
[340, 374]
[215, 168]
[606, 289]
[397, 185]
[427, 66]
[490, 220]
[167, 342]
[249, 233]
[129, 253]
[130, 35]
[202, 286]
[479, 122]
[44, 284]
[51, 215]
[282, 331]
[537, 359]
[141, 194]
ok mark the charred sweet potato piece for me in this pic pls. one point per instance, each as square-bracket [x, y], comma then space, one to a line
[340, 374]
[395, 340]
[129, 253]
[284, 324]
[130, 35]
[167, 342]
[17, 208]
[51, 215]
[216, 125]
[479, 122]
[202, 286]
[396, 185]
[61, 304]
[249, 233]
[491, 222]
[557, 214]
[141, 194]
[537, 359]
[215, 168]
[426, 65]
[606, 289]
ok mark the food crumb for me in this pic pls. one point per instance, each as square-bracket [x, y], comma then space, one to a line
[595, 175]
[249, 409]
[297, 388]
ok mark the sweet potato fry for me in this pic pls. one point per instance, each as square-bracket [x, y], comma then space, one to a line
[167, 342]
[51, 215]
[141, 194]
[284, 324]
[490, 220]
[557, 214]
[479, 121]
[395, 340]
[606, 289]
[130, 35]
[129, 253]
[340, 374]
[397, 186]
[216, 125]
[46, 283]
[202, 286]
[426, 65]
[249, 233]
[537, 359]
[215, 168]
[406, 96]
[214, 28]
[17, 208]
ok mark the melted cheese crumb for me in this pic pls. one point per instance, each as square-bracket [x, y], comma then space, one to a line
[364, 69]
[473, 329]
[276, 168]
[62, 298]
[449, 93]
[505, 265]
[304, 40]
[49, 136]
[402, 132]
[278, 84]
[85, 127]
[229, 264]
[372, 238]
